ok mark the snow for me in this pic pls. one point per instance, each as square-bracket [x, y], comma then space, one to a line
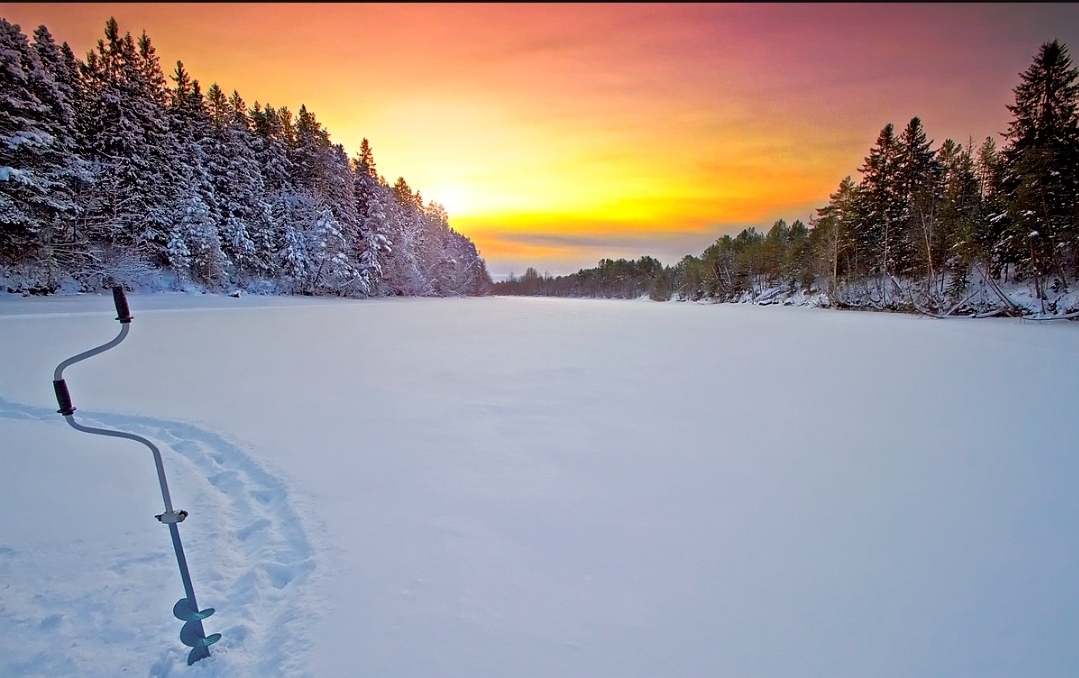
[10, 173]
[540, 487]
[28, 137]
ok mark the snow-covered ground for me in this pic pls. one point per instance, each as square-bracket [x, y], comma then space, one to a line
[540, 488]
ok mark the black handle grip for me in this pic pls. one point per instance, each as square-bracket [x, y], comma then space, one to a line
[123, 313]
[63, 397]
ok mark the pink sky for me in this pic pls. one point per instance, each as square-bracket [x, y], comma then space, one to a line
[556, 135]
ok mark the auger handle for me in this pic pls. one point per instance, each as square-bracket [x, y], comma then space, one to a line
[63, 397]
[123, 313]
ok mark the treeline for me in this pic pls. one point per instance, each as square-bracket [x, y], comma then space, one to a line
[940, 231]
[111, 173]
[613, 278]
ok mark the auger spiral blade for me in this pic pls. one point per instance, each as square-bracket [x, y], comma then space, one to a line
[193, 635]
[184, 611]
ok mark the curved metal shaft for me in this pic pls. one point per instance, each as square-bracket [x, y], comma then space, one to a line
[58, 373]
[137, 438]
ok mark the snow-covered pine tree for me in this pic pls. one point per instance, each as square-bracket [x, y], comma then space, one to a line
[207, 263]
[956, 246]
[882, 204]
[468, 275]
[271, 151]
[837, 236]
[308, 153]
[239, 114]
[326, 246]
[138, 171]
[201, 152]
[321, 169]
[990, 235]
[292, 260]
[403, 270]
[372, 246]
[918, 180]
[177, 253]
[61, 93]
[218, 107]
[1041, 179]
[39, 166]
[242, 195]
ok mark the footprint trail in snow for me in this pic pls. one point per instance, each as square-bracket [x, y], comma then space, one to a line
[249, 550]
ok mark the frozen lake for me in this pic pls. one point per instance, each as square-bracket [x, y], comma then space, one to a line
[541, 488]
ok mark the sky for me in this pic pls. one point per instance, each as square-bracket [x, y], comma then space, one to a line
[558, 135]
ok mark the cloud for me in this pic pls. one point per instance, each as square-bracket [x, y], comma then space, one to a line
[589, 240]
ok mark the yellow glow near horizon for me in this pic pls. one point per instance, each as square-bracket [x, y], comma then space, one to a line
[555, 134]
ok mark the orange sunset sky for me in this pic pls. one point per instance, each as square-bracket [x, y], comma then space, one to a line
[556, 135]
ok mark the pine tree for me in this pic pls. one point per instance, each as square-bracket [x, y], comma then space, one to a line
[218, 107]
[271, 150]
[308, 153]
[776, 252]
[155, 87]
[918, 180]
[1041, 178]
[240, 115]
[292, 260]
[837, 233]
[990, 234]
[138, 172]
[206, 262]
[185, 97]
[365, 160]
[961, 212]
[372, 245]
[38, 162]
[177, 253]
[799, 269]
[403, 269]
[328, 253]
[883, 205]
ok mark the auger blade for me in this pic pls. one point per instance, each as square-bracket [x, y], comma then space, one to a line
[199, 646]
[193, 635]
[183, 611]
[197, 654]
[210, 640]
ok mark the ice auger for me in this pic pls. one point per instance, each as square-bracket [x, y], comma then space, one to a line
[186, 609]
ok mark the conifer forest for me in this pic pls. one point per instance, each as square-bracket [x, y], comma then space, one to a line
[111, 173]
[939, 231]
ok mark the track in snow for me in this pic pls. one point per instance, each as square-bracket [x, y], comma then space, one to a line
[249, 552]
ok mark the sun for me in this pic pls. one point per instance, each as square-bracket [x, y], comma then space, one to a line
[451, 196]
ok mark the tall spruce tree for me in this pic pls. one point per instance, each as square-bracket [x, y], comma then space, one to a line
[1041, 177]
[918, 177]
[38, 162]
[883, 205]
[217, 105]
[990, 232]
[836, 234]
[137, 188]
[372, 245]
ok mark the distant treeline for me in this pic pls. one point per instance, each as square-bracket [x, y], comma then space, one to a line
[915, 233]
[110, 174]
